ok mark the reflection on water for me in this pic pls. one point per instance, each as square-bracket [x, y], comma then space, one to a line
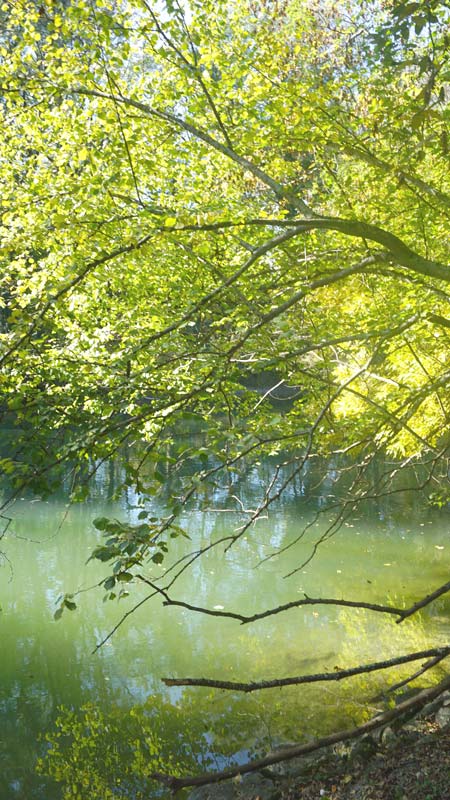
[392, 554]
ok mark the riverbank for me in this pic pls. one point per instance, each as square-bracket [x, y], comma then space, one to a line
[412, 763]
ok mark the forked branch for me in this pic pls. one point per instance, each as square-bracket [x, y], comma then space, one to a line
[425, 601]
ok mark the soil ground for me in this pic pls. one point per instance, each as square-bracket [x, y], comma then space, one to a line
[412, 765]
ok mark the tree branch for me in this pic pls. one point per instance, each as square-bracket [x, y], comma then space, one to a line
[425, 601]
[271, 244]
[191, 66]
[173, 119]
[362, 230]
[399, 251]
[326, 280]
[89, 267]
[320, 677]
[305, 601]
[384, 166]
[245, 620]
[424, 668]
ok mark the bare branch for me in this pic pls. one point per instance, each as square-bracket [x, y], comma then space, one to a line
[244, 620]
[424, 668]
[401, 613]
[121, 621]
[320, 677]
[425, 601]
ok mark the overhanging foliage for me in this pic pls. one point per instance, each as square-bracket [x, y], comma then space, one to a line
[208, 206]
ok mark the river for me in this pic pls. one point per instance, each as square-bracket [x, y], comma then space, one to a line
[392, 553]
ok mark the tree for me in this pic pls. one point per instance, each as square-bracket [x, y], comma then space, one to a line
[206, 198]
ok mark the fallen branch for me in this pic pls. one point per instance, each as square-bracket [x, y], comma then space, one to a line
[287, 753]
[337, 675]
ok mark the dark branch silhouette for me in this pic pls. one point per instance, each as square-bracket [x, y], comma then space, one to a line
[425, 601]
[424, 668]
[337, 675]
[305, 601]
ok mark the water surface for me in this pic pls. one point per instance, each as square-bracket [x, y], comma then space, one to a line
[394, 554]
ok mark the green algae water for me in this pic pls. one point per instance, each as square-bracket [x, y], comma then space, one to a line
[388, 555]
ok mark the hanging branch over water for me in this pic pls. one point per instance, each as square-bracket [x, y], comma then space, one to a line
[305, 601]
[359, 229]
[425, 601]
[337, 675]
[412, 705]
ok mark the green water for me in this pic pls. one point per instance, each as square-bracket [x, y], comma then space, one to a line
[394, 554]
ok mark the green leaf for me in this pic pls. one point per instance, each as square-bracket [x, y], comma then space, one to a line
[125, 577]
[101, 523]
[104, 553]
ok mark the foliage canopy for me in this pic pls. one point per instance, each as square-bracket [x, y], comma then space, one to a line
[229, 215]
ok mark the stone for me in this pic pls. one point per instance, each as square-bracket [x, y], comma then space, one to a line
[443, 716]
[435, 705]
[387, 736]
[219, 791]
